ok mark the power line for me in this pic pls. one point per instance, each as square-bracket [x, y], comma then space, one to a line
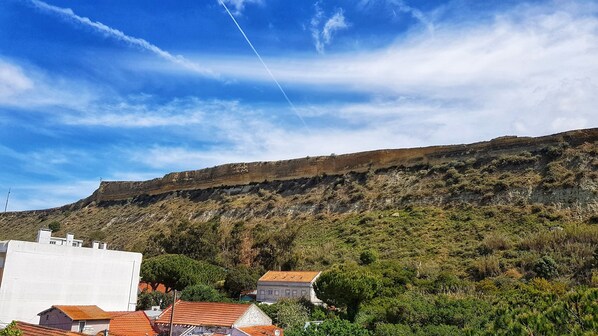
[264, 64]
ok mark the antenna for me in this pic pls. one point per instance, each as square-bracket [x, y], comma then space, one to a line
[7, 196]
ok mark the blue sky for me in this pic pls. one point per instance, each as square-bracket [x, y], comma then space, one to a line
[132, 90]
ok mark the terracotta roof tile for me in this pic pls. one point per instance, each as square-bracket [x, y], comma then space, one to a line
[144, 286]
[88, 313]
[35, 330]
[204, 313]
[262, 330]
[289, 276]
[131, 324]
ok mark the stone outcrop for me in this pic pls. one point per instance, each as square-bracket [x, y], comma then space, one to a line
[257, 172]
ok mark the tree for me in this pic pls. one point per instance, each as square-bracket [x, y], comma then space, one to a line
[11, 330]
[290, 314]
[336, 327]
[202, 293]
[146, 300]
[240, 279]
[54, 226]
[347, 287]
[176, 271]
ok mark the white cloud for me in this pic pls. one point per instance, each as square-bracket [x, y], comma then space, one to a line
[239, 5]
[322, 34]
[68, 14]
[401, 6]
[47, 195]
[12, 81]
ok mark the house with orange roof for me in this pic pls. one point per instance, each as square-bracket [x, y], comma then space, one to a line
[276, 285]
[92, 320]
[216, 318]
[131, 324]
[84, 319]
[28, 329]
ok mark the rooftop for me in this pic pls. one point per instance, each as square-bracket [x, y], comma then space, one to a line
[28, 329]
[262, 330]
[291, 276]
[78, 313]
[204, 313]
[131, 324]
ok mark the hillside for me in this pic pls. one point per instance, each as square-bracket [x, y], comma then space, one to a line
[435, 206]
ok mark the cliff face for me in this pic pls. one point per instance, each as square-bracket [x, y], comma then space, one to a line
[257, 172]
[511, 178]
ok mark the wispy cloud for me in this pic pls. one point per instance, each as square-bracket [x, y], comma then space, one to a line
[68, 14]
[322, 32]
[239, 5]
[12, 81]
[402, 6]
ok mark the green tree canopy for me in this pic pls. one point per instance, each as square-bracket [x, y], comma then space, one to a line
[240, 279]
[336, 327]
[202, 293]
[347, 287]
[177, 271]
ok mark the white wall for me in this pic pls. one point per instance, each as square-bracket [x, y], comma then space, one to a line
[37, 276]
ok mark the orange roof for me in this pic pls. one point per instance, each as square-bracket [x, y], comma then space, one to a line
[78, 313]
[262, 330]
[131, 324]
[144, 286]
[35, 330]
[204, 313]
[289, 276]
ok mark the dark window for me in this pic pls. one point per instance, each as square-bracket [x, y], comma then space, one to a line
[81, 326]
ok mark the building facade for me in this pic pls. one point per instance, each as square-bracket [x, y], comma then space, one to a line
[275, 285]
[38, 275]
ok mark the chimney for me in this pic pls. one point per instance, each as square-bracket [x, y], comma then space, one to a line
[95, 244]
[43, 236]
[103, 246]
[69, 239]
[276, 332]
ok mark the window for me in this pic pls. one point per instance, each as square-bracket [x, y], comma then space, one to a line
[47, 317]
[269, 292]
[303, 293]
[287, 293]
[262, 292]
[53, 242]
[294, 293]
[81, 326]
[276, 292]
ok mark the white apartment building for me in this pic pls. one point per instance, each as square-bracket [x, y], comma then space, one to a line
[58, 271]
[276, 285]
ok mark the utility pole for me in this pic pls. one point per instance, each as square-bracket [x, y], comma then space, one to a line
[7, 196]
[172, 313]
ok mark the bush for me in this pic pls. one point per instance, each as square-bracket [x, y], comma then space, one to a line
[487, 266]
[54, 226]
[545, 267]
[495, 242]
[368, 257]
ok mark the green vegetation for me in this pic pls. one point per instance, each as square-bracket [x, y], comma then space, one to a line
[11, 330]
[54, 226]
[241, 278]
[202, 293]
[176, 271]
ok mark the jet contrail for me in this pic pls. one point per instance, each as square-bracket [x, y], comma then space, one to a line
[119, 35]
[264, 64]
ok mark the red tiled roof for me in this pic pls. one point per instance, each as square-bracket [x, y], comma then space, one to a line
[131, 324]
[35, 330]
[78, 313]
[204, 313]
[262, 330]
[289, 276]
[144, 286]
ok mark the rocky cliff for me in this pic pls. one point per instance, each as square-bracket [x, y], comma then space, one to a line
[257, 172]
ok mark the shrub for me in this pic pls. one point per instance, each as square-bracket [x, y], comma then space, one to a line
[545, 267]
[54, 226]
[486, 266]
[495, 242]
[368, 257]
